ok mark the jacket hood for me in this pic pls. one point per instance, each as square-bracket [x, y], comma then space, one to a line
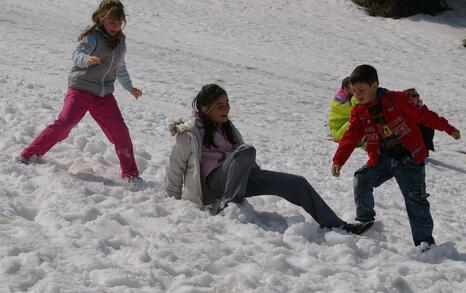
[181, 125]
[380, 92]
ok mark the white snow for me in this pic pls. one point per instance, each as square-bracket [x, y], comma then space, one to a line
[68, 225]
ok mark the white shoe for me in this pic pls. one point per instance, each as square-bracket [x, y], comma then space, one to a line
[424, 246]
[31, 160]
[134, 180]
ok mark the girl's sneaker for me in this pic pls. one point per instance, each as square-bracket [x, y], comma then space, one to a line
[31, 160]
[217, 207]
[134, 180]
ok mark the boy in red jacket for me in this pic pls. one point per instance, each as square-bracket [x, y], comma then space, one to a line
[395, 146]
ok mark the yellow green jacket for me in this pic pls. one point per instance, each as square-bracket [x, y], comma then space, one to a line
[338, 116]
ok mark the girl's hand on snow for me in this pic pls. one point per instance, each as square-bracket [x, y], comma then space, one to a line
[336, 170]
[92, 60]
[136, 93]
[456, 134]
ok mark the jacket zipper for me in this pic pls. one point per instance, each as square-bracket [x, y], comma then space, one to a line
[102, 82]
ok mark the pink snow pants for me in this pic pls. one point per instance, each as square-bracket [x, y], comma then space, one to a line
[105, 112]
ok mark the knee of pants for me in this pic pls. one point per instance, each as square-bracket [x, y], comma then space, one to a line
[300, 183]
[416, 197]
[119, 132]
[359, 182]
[417, 191]
[419, 212]
[66, 121]
[247, 151]
[300, 180]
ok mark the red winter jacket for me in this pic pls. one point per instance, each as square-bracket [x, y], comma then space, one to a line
[401, 116]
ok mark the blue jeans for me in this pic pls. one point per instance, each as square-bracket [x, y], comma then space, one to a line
[412, 183]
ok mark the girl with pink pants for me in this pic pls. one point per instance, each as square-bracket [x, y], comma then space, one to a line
[105, 112]
[99, 60]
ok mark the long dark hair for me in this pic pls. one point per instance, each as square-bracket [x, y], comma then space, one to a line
[206, 97]
[113, 9]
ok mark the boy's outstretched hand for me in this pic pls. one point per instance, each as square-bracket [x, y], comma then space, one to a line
[456, 134]
[136, 93]
[336, 170]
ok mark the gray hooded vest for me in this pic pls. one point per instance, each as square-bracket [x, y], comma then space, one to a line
[99, 79]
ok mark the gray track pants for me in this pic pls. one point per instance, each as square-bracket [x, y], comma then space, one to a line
[239, 176]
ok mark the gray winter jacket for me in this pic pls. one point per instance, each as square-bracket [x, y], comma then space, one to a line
[99, 79]
[183, 172]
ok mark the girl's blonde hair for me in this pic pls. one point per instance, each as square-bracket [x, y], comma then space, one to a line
[112, 9]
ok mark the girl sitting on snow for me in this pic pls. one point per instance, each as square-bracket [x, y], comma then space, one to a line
[98, 61]
[211, 165]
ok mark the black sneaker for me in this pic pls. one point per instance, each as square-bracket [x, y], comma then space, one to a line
[217, 207]
[358, 228]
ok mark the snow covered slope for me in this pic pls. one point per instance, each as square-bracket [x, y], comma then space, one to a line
[69, 225]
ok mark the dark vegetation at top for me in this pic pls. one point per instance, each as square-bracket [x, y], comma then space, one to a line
[402, 8]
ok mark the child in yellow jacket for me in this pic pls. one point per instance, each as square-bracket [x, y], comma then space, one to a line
[340, 110]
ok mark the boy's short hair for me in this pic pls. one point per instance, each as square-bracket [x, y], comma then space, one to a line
[364, 74]
[412, 92]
